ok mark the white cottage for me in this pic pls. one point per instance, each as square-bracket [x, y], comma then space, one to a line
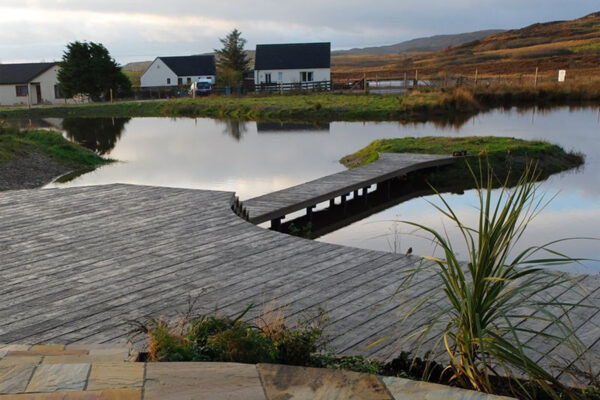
[32, 83]
[178, 71]
[305, 64]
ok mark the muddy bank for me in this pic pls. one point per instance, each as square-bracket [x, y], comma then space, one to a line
[29, 171]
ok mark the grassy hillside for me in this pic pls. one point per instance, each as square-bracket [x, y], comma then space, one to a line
[425, 44]
[572, 45]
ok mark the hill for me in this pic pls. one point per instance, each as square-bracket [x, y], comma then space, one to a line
[425, 44]
[139, 66]
[573, 45]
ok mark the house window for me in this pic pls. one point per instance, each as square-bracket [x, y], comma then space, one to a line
[168, 81]
[306, 76]
[57, 93]
[280, 77]
[268, 78]
[22, 90]
[189, 80]
[179, 81]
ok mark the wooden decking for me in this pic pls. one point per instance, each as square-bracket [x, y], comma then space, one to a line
[77, 263]
[275, 205]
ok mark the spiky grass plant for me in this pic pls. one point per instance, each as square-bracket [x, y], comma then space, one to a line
[493, 302]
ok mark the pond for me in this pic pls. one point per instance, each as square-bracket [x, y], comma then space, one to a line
[256, 158]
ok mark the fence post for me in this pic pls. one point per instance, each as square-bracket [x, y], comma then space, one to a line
[111, 95]
[365, 82]
[416, 77]
[536, 76]
[476, 76]
[405, 80]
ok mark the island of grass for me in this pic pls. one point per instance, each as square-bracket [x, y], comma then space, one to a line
[507, 156]
[30, 159]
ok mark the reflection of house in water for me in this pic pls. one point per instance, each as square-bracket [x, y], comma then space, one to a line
[275, 127]
[97, 134]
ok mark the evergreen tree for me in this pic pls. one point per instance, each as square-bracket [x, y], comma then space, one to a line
[232, 59]
[88, 68]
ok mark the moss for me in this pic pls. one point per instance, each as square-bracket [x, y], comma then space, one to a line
[507, 156]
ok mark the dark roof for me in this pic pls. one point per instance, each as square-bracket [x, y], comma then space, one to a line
[191, 65]
[292, 56]
[22, 73]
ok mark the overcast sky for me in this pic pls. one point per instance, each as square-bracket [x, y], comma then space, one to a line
[136, 30]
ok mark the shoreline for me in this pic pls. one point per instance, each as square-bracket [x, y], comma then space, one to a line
[446, 106]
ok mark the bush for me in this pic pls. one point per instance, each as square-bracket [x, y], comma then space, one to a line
[221, 338]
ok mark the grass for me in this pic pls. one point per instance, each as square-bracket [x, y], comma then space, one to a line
[493, 297]
[292, 107]
[14, 143]
[442, 105]
[498, 150]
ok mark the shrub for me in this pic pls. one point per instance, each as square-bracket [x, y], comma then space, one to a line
[221, 338]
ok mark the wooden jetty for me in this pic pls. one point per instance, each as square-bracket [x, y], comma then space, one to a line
[78, 263]
[276, 205]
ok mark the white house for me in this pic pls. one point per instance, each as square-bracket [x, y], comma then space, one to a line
[32, 83]
[178, 71]
[306, 64]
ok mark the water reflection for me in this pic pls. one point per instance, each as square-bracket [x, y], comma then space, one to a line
[97, 134]
[210, 154]
[235, 129]
[279, 127]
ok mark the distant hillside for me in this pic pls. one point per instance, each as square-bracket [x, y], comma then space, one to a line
[423, 45]
[140, 66]
[572, 45]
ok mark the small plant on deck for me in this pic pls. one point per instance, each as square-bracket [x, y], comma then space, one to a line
[222, 338]
[490, 304]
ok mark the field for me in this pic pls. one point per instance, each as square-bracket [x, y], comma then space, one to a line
[571, 45]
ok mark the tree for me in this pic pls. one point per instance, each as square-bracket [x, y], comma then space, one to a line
[88, 68]
[232, 59]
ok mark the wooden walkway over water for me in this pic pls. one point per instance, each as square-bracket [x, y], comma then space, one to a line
[77, 263]
[276, 205]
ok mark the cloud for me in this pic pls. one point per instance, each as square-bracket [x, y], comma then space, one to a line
[135, 29]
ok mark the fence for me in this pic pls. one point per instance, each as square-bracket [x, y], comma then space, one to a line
[399, 82]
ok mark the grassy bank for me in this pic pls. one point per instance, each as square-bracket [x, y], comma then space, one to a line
[14, 144]
[504, 154]
[316, 107]
[450, 106]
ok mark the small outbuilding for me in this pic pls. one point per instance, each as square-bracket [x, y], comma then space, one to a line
[179, 71]
[30, 83]
[301, 65]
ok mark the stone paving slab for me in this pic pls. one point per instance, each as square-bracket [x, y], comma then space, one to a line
[115, 376]
[115, 394]
[405, 389]
[198, 381]
[283, 382]
[14, 378]
[58, 377]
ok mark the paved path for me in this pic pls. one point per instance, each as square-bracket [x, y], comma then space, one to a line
[76, 372]
[78, 263]
[277, 204]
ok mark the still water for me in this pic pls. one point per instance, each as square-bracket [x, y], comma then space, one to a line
[256, 158]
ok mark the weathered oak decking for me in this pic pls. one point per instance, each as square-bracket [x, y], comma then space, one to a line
[77, 263]
[389, 165]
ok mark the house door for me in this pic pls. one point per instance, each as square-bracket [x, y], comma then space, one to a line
[38, 92]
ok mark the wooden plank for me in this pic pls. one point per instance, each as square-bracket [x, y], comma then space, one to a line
[286, 201]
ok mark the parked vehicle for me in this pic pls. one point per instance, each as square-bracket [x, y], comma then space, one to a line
[202, 87]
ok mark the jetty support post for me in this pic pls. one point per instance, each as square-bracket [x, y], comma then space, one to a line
[276, 224]
[309, 212]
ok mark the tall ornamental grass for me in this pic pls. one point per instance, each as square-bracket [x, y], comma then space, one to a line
[489, 305]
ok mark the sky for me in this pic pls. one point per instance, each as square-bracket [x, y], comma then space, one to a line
[138, 30]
